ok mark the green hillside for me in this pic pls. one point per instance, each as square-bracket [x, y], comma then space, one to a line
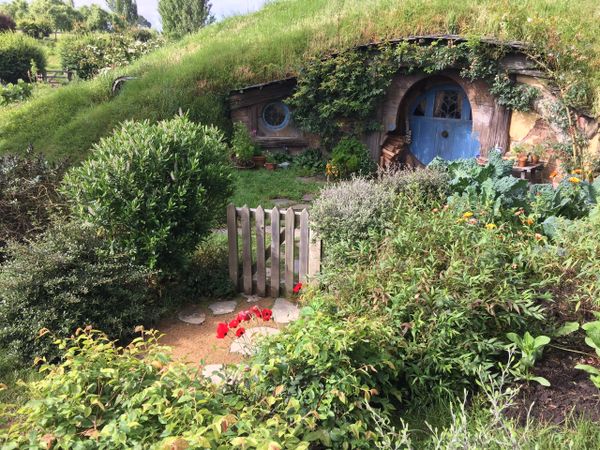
[197, 73]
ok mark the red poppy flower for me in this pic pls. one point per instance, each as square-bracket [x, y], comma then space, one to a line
[234, 323]
[266, 314]
[222, 330]
[297, 288]
[256, 310]
[244, 316]
[240, 331]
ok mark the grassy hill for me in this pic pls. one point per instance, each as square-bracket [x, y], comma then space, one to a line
[197, 73]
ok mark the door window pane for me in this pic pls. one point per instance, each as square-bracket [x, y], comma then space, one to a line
[448, 105]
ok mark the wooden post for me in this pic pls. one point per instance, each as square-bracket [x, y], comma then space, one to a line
[246, 250]
[314, 262]
[290, 221]
[261, 273]
[304, 249]
[275, 252]
[232, 237]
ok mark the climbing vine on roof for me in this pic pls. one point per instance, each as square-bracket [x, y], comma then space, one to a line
[338, 96]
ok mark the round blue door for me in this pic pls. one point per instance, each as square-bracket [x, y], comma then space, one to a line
[441, 123]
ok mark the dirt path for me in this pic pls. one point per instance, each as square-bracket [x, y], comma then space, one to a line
[197, 344]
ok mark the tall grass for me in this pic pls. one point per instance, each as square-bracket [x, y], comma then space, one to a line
[197, 73]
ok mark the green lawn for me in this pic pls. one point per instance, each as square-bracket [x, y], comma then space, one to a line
[260, 187]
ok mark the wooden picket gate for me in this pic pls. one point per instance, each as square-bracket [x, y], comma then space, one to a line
[265, 270]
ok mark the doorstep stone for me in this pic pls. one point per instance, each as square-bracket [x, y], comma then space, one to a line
[285, 311]
[225, 307]
[246, 344]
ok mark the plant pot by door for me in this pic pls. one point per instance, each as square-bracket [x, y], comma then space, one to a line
[522, 161]
[535, 159]
[259, 161]
[271, 166]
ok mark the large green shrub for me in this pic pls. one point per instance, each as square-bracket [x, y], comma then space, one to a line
[351, 157]
[435, 278]
[14, 93]
[154, 189]
[63, 280]
[17, 54]
[28, 194]
[88, 55]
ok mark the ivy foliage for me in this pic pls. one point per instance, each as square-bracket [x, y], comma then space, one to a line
[338, 96]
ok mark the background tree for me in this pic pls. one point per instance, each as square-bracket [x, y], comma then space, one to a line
[59, 14]
[126, 9]
[17, 9]
[181, 17]
[95, 18]
[7, 23]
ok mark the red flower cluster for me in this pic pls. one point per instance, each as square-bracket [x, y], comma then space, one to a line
[244, 316]
[297, 288]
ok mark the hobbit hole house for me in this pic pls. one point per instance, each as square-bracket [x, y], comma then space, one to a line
[424, 114]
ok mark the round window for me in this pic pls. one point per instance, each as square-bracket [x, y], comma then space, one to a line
[276, 115]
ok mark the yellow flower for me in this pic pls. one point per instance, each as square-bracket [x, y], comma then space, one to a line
[491, 226]
[529, 221]
[574, 180]
[467, 215]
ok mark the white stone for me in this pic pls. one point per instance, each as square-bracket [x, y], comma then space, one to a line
[224, 307]
[211, 371]
[246, 344]
[285, 311]
[193, 317]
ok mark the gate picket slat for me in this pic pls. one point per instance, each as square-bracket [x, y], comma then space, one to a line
[314, 261]
[290, 219]
[232, 238]
[246, 250]
[261, 274]
[275, 251]
[304, 249]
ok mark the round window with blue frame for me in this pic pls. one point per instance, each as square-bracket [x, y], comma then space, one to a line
[276, 116]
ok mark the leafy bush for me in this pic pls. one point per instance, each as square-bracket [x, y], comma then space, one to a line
[490, 187]
[17, 54]
[7, 23]
[573, 198]
[242, 145]
[89, 55]
[63, 280]
[13, 93]
[154, 189]
[36, 28]
[351, 157]
[435, 280]
[310, 162]
[351, 211]
[138, 397]
[28, 194]
[207, 273]
[427, 186]
[326, 370]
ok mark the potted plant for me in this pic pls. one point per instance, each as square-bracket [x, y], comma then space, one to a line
[520, 155]
[242, 147]
[270, 163]
[537, 151]
[259, 159]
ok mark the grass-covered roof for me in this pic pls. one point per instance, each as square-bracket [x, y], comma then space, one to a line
[196, 73]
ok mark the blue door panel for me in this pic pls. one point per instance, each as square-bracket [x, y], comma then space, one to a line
[447, 134]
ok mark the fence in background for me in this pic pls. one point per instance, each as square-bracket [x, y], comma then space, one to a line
[277, 250]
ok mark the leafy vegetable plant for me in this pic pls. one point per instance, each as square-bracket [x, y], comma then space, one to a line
[531, 350]
[592, 331]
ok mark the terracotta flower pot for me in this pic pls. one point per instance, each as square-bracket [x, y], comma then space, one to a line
[535, 159]
[271, 166]
[259, 161]
[522, 161]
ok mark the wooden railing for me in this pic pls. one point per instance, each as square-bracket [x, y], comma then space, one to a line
[266, 269]
[56, 77]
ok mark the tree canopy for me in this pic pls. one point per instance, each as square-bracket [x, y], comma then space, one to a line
[181, 17]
